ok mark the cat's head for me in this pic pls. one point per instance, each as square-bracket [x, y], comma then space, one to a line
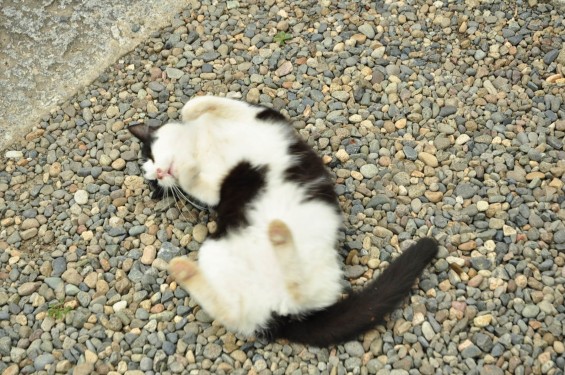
[170, 164]
[161, 151]
[157, 157]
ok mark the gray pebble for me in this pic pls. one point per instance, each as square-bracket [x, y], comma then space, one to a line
[550, 56]
[354, 349]
[471, 352]
[481, 263]
[530, 311]
[42, 360]
[410, 153]
[212, 351]
[447, 110]
[59, 265]
[369, 170]
[465, 190]
[5, 345]
[368, 30]
[354, 272]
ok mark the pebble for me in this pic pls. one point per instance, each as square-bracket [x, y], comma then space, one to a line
[354, 349]
[199, 232]
[482, 320]
[465, 190]
[482, 206]
[212, 351]
[13, 154]
[428, 159]
[284, 69]
[28, 288]
[410, 153]
[369, 170]
[462, 139]
[367, 30]
[81, 197]
[530, 311]
[149, 253]
[491, 370]
[471, 352]
[428, 331]
[42, 361]
[481, 263]
[84, 369]
[174, 73]
[342, 155]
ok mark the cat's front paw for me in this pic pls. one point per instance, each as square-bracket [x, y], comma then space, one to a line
[182, 269]
[279, 233]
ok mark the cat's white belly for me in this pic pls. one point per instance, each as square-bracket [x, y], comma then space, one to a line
[248, 281]
[244, 271]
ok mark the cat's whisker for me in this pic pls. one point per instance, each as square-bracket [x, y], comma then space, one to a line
[200, 207]
[177, 190]
[167, 196]
[167, 191]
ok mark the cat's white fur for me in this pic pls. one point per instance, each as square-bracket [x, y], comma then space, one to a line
[214, 136]
[240, 279]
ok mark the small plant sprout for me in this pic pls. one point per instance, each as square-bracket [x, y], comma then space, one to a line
[281, 37]
[58, 310]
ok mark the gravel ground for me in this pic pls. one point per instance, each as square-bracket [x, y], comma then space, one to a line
[431, 115]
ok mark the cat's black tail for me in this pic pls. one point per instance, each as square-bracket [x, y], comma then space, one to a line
[361, 310]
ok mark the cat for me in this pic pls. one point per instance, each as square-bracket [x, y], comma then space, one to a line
[271, 267]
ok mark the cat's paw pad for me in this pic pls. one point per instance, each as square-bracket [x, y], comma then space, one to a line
[279, 234]
[182, 268]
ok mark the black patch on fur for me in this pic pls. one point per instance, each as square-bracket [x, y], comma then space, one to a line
[270, 115]
[360, 310]
[241, 186]
[308, 170]
[145, 134]
[158, 192]
[146, 151]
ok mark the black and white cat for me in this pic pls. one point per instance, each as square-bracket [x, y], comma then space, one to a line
[271, 267]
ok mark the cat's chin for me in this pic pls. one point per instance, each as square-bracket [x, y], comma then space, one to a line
[168, 182]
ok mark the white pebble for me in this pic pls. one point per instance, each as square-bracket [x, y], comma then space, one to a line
[482, 206]
[342, 155]
[14, 154]
[454, 260]
[462, 139]
[490, 245]
[81, 196]
[118, 306]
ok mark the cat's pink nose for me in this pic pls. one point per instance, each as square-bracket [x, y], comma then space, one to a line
[160, 173]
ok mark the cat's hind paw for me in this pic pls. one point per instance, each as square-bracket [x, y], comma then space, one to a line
[183, 269]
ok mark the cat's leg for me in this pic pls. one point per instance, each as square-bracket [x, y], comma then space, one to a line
[190, 277]
[285, 250]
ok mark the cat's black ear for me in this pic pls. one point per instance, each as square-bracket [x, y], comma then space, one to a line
[141, 132]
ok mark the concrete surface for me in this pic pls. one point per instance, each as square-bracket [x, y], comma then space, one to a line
[49, 49]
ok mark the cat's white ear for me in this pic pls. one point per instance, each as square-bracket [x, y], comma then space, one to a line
[141, 131]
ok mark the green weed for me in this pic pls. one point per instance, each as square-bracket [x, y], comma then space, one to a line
[281, 37]
[58, 310]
